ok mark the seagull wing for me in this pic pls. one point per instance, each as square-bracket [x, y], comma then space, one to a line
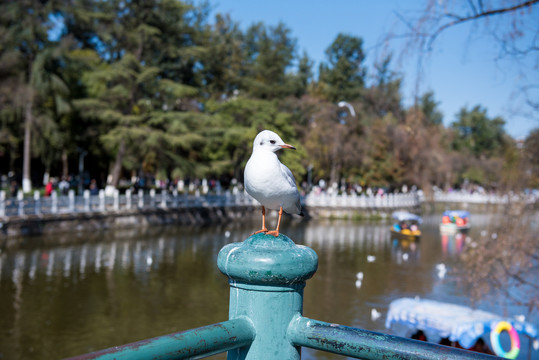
[288, 175]
[292, 182]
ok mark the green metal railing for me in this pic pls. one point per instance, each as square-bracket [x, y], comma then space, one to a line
[267, 276]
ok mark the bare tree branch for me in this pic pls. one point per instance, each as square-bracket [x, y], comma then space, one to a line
[476, 15]
[512, 28]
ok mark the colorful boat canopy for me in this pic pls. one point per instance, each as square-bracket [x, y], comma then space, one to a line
[456, 322]
[406, 216]
[456, 213]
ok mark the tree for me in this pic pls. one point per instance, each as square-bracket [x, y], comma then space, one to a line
[384, 96]
[53, 110]
[11, 94]
[268, 55]
[489, 269]
[24, 27]
[421, 150]
[478, 134]
[223, 61]
[481, 143]
[300, 81]
[143, 70]
[381, 166]
[323, 140]
[429, 108]
[531, 154]
[343, 76]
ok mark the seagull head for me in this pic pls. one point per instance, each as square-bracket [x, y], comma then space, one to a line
[269, 141]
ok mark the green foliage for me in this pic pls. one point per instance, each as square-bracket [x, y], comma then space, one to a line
[429, 108]
[344, 73]
[531, 154]
[474, 175]
[268, 55]
[477, 133]
[382, 168]
[234, 126]
[384, 96]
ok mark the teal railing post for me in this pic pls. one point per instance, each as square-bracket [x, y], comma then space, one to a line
[267, 275]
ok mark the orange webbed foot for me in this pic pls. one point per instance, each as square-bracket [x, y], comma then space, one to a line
[264, 230]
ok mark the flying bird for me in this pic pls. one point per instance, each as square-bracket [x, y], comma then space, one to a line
[269, 181]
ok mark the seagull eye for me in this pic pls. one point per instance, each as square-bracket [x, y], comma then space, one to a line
[272, 142]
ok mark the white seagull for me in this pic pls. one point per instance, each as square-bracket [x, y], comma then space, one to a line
[270, 182]
[375, 314]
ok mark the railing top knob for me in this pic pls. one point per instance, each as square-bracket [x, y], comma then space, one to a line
[267, 260]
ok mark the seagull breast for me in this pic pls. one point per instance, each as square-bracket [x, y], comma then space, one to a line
[268, 181]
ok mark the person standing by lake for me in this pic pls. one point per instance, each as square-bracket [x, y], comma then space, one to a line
[48, 188]
[93, 188]
[13, 188]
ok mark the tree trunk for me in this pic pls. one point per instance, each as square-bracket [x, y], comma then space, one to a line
[26, 181]
[336, 162]
[117, 169]
[65, 164]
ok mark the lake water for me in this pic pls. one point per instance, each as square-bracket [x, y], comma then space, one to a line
[115, 287]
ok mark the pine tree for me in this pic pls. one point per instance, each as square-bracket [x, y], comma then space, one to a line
[24, 29]
[143, 82]
[343, 76]
[223, 61]
[269, 53]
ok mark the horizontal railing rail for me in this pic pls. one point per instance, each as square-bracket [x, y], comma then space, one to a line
[201, 342]
[363, 344]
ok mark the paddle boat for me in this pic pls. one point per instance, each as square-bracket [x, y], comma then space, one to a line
[455, 220]
[460, 326]
[406, 226]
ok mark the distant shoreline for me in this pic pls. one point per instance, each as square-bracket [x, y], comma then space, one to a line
[14, 228]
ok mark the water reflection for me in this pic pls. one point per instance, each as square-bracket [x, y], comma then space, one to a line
[405, 250]
[142, 255]
[453, 244]
[137, 255]
[129, 250]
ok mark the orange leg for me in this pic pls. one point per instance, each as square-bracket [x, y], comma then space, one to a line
[264, 229]
[276, 231]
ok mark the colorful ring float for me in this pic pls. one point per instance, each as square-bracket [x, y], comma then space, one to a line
[495, 340]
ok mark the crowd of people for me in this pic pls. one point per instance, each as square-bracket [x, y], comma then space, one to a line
[61, 185]
[66, 183]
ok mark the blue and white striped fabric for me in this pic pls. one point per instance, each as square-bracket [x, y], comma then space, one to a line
[456, 322]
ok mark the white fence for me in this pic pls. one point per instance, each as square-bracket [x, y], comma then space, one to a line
[66, 204]
[475, 198]
[386, 201]
[412, 199]
[37, 205]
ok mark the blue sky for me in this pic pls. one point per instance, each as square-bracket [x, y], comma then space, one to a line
[461, 71]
